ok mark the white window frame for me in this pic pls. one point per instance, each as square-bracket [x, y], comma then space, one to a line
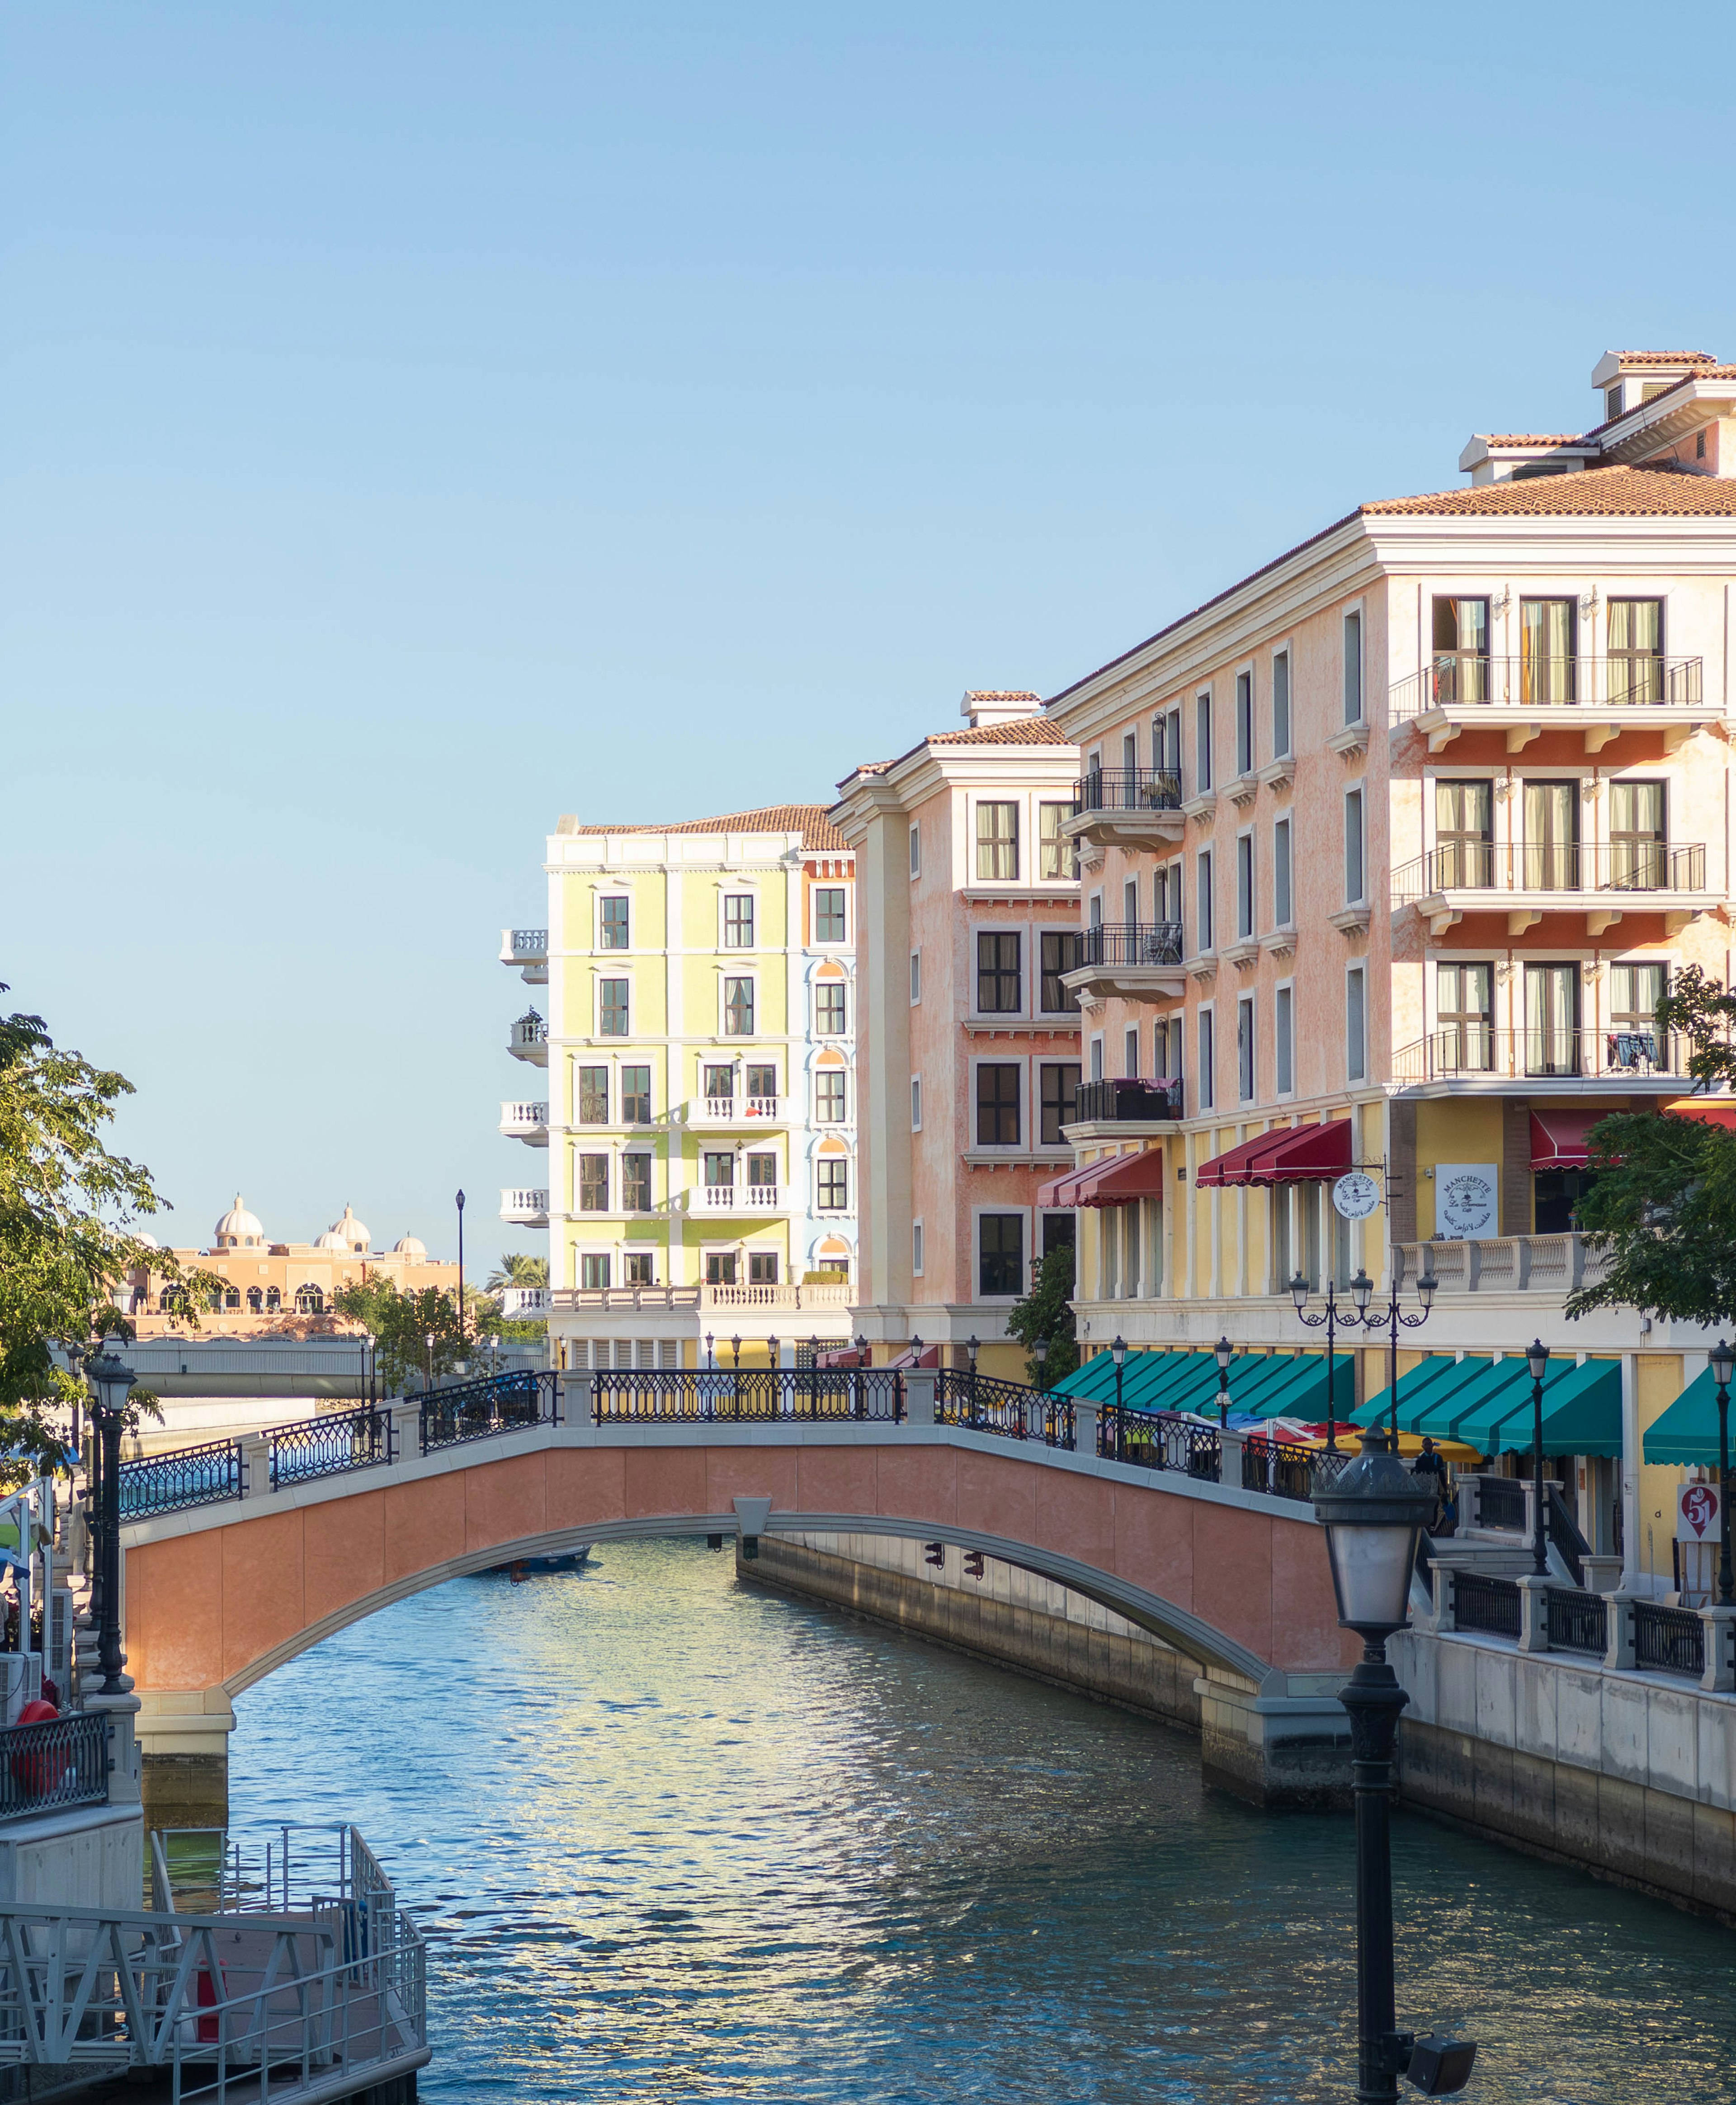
[1206, 1068]
[1130, 1050]
[1247, 1012]
[598, 981]
[598, 895]
[1283, 654]
[1282, 825]
[737, 1037]
[917, 1252]
[915, 849]
[1354, 794]
[1094, 1057]
[915, 977]
[1205, 763]
[1247, 857]
[1246, 672]
[976, 1214]
[1357, 614]
[825, 1074]
[831, 942]
[1284, 1040]
[726, 893]
[915, 1103]
[1356, 1056]
[1205, 905]
[1022, 1145]
[1021, 821]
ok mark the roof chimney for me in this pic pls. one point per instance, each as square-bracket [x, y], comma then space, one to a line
[998, 705]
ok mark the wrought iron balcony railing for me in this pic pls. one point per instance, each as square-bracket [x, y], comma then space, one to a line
[1128, 789]
[1128, 1099]
[1131, 943]
[1632, 865]
[1461, 1052]
[1456, 679]
[54, 1765]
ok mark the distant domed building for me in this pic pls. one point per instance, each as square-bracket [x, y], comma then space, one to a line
[239, 1229]
[412, 1247]
[350, 1233]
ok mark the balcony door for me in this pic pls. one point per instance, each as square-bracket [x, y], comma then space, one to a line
[1464, 1017]
[1636, 650]
[1638, 850]
[1552, 851]
[1546, 636]
[1464, 835]
[1551, 1020]
[1461, 650]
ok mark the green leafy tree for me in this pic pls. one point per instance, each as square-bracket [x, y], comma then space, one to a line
[67, 1210]
[518, 1268]
[401, 1325]
[1047, 1311]
[1661, 1209]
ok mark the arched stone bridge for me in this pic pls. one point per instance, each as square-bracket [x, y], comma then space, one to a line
[219, 1592]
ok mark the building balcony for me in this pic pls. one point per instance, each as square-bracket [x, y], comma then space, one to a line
[528, 948]
[526, 1122]
[518, 1302]
[1128, 1102]
[1524, 697]
[1558, 1265]
[603, 1299]
[737, 1199]
[1127, 808]
[1139, 960]
[787, 1298]
[1605, 882]
[528, 1039]
[525, 1209]
[1473, 1059]
[736, 1111]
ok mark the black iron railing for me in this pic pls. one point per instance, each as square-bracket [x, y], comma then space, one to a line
[202, 1476]
[1128, 789]
[1576, 1621]
[1482, 1603]
[481, 1409]
[327, 1446]
[1501, 1503]
[1131, 943]
[723, 1395]
[1125, 1098]
[1669, 1640]
[1160, 1440]
[60, 1761]
[1564, 1531]
[1279, 1467]
[982, 1403]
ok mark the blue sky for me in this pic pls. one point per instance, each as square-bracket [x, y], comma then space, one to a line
[421, 420]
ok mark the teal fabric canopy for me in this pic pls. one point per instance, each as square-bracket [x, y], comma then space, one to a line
[1486, 1404]
[1426, 1387]
[1262, 1384]
[1688, 1431]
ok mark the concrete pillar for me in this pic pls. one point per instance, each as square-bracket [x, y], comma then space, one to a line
[255, 1466]
[1085, 1427]
[1719, 1628]
[1442, 1574]
[918, 1396]
[182, 1735]
[1603, 1574]
[1630, 1455]
[407, 1431]
[1619, 1658]
[1233, 1445]
[1533, 1614]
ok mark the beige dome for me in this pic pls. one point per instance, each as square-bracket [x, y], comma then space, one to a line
[144, 1235]
[331, 1240]
[239, 1229]
[350, 1233]
[410, 1247]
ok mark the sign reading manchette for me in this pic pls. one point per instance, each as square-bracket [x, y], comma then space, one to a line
[1466, 1200]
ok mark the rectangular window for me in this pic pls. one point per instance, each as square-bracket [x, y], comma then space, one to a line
[1097, 1059]
[738, 1008]
[593, 1183]
[829, 1008]
[1283, 908]
[720, 1084]
[594, 1271]
[1245, 1047]
[915, 851]
[1000, 1253]
[1202, 745]
[1353, 669]
[1636, 650]
[1059, 951]
[1244, 723]
[1281, 705]
[1056, 851]
[829, 914]
[1547, 634]
[1130, 1051]
[738, 921]
[718, 1167]
[762, 1086]
[1552, 1020]
[1202, 899]
[1635, 992]
[915, 1103]
[639, 1268]
[1208, 1074]
[1244, 888]
[636, 1096]
[1353, 876]
[593, 1096]
[915, 977]
[1460, 669]
[997, 842]
[1551, 855]
[761, 1268]
[1283, 1019]
[1000, 977]
[1464, 836]
[1356, 1024]
[834, 1184]
[1638, 850]
[916, 1247]
[720, 1267]
[636, 1175]
[997, 1104]
[1166, 896]
[1059, 1081]
[761, 1173]
[611, 1009]
[612, 925]
[1464, 1018]
[829, 1096]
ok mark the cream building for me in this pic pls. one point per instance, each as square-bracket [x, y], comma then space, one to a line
[698, 1065]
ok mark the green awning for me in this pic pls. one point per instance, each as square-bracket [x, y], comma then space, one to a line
[1582, 1411]
[1438, 1376]
[1261, 1384]
[1688, 1431]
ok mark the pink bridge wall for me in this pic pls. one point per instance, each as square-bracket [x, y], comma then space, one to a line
[206, 1607]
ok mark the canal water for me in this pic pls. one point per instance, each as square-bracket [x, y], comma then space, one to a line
[674, 1838]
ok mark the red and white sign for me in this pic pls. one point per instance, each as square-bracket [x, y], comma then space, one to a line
[1697, 1512]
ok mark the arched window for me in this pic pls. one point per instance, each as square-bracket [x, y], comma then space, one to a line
[255, 1301]
[231, 1298]
[274, 1301]
[166, 1302]
[309, 1301]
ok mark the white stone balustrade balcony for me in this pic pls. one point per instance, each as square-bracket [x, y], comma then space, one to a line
[523, 1209]
[528, 948]
[528, 1039]
[526, 1122]
[736, 1111]
[737, 1198]
[1558, 1265]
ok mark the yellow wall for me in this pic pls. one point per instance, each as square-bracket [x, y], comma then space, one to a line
[1660, 1382]
[1456, 1130]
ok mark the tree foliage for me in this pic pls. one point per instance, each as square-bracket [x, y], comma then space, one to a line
[402, 1323]
[518, 1268]
[1662, 1205]
[1047, 1311]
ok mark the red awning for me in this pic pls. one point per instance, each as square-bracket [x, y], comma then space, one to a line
[1055, 1192]
[1558, 1138]
[1294, 1154]
[1710, 1111]
[1115, 1181]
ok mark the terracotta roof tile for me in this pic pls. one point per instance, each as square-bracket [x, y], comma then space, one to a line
[1596, 493]
[1528, 438]
[1666, 357]
[1021, 730]
[809, 820]
[1663, 394]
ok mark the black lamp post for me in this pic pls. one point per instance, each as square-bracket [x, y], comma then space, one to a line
[112, 1379]
[710, 1362]
[1040, 1353]
[1374, 1513]
[1225, 1352]
[813, 1375]
[971, 1348]
[1298, 1295]
[1722, 1368]
[861, 1348]
[428, 1358]
[773, 1360]
[1537, 1358]
[74, 1362]
[459, 1203]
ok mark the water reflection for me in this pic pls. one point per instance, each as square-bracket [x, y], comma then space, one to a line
[675, 1839]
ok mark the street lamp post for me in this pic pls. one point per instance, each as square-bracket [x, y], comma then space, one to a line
[710, 1361]
[971, 1348]
[1298, 1295]
[1118, 1353]
[1722, 1368]
[1224, 1352]
[459, 1203]
[112, 1380]
[1537, 1358]
[1374, 1513]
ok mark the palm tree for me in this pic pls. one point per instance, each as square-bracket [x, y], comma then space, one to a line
[518, 1268]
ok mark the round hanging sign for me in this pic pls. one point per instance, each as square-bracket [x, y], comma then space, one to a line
[1356, 1195]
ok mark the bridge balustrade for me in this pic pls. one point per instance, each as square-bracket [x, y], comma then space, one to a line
[982, 1403]
[721, 1396]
